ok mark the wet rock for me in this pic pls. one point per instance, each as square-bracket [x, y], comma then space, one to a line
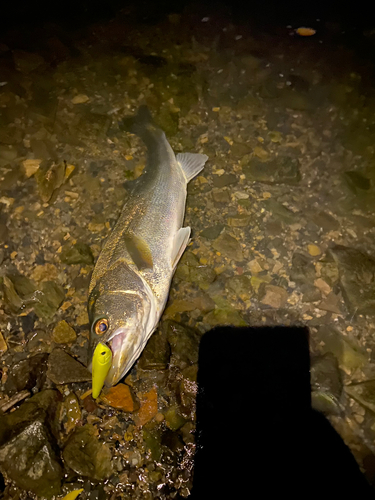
[168, 120]
[229, 247]
[325, 221]
[221, 181]
[39, 341]
[85, 455]
[148, 408]
[349, 353]
[326, 384]
[11, 297]
[187, 392]
[190, 269]
[63, 369]
[119, 397]
[152, 440]
[155, 355]
[281, 212]
[70, 413]
[202, 303]
[27, 374]
[273, 296]
[49, 179]
[310, 293]
[225, 316]
[184, 343]
[211, 233]
[172, 441]
[302, 270]
[363, 393]
[331, 303]
[80, 253]
[357, 279]
[313, 250]
[240, 149]
[294, 100]
[49, 298]
[8, 153]
[241, 220]
[3, 345]
[63, 333]
[357, 181]
[173, 418]
[23, 285]
[282, 170]
[221, 195]
[26, 61]
[29, 460]
[241, 286]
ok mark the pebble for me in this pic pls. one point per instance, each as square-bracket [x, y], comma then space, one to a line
[119, 397]
[3, 345]
[314, 250]
[275, 296]
[63, 333]
[149, 407]
[80, 99]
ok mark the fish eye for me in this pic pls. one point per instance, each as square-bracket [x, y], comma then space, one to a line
[101, 326]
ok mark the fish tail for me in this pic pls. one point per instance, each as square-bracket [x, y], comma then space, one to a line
[143, 125]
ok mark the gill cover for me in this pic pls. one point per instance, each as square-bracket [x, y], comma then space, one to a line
[101, 363]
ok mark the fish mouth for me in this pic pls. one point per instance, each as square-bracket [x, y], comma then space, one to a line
[122, 355]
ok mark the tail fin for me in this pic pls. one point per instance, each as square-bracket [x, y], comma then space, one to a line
[142, 124]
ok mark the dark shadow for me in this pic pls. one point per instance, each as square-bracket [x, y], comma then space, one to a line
[257, 435]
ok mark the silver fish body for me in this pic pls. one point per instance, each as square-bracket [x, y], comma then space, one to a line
[131, 280]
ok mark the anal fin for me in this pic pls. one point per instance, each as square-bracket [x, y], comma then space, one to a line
[191, 163]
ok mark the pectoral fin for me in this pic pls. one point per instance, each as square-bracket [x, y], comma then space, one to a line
[181, 241]
[139, 251]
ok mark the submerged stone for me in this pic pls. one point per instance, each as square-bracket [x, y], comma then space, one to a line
[119, 397]
[29, 460]
[281, 170]
[63, 369]
[86, 455]
[303, 270]
[326, 384]
[349, 353]
[241, 286]
[229, 247]
[27, 374]
[184, 343]
[49, 298]
[363, 393]
[155, 355]
[225, 316]
[80, 253]
[63, 333]
[212, 232]
[357, 279]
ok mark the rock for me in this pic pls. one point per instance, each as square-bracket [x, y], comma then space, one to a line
[349, 353]
[313, 250]
[50, 297]
[63, 333]
[225, 316]
[155, 355]
[26, 61]
[326, 384]
[229, 247]
[80, 253]
[149, 407]
[303, 270]
[241, 286]
[27, 374]
[174, 418]
[80, 99]
[7, 153]
[357, 279]
[49, 179]
[281, 170]
[184, 343]
[11, 298]
[29, 460]
[3, 345]
[70, 414]
[241, 220]
[119, 397]
[202, 303]
[310, 293]
[23, 285]
[63, 369]
[274, 296]
[212, 232]
[152, 440]
[85, 455]
[325, 221]
[331, 303]
[280, 212]
[190, 269]
[357, 181]
[221, 181]
[363, 393]
[221, 196]
[39, 341]
[31, 166]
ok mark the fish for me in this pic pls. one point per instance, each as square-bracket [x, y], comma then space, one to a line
[130, 283]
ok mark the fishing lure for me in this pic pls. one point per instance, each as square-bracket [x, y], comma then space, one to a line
[101, 363]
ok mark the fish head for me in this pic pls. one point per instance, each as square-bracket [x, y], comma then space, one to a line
[120, 321]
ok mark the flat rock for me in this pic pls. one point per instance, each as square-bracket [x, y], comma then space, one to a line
[357, 279]
[29, 460]
[64, 369]
[229, 247]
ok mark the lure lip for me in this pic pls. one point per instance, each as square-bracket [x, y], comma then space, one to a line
[101, 364]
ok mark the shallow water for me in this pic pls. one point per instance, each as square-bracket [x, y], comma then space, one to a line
[287, 123]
